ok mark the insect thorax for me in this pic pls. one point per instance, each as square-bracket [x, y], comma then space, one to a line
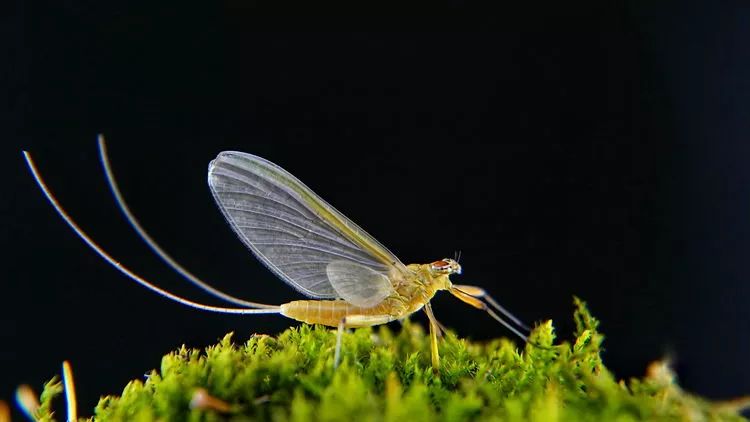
[420, 289]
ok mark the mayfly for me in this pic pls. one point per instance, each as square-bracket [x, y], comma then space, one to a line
[352, 280]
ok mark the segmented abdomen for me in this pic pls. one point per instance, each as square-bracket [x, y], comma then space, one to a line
[331, 312]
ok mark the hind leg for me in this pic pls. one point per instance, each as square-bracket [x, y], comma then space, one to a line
[355, 321]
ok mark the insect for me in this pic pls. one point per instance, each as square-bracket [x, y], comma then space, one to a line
[350, 278]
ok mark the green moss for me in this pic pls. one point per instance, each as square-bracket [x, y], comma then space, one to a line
[388, 376]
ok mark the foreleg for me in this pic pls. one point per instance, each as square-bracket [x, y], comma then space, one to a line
[479, 304]
[480, 293]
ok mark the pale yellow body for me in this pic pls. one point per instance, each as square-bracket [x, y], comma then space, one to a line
[412, 286]
[409, 296]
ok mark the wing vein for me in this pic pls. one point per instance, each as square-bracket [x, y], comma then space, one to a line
[297, 235]
[317, 249]
[348, 246]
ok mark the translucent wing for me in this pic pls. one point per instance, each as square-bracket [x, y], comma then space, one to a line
[358, 284]
[301, 238]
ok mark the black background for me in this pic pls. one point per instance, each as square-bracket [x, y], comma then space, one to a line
[597, 149]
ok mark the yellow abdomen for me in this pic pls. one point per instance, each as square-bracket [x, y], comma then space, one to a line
[331, 312]
[409, 296]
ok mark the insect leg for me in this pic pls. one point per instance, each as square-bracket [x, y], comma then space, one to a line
[439, 325]
[339, 335]
[355, 321]
[480, 293]
[477, 303]
[434, 332]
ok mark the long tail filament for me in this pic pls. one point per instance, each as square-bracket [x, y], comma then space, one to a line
[138, 279]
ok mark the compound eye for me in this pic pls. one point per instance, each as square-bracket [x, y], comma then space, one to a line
[441, 266]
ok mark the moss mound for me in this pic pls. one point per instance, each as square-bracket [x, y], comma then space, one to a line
[387, 376]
